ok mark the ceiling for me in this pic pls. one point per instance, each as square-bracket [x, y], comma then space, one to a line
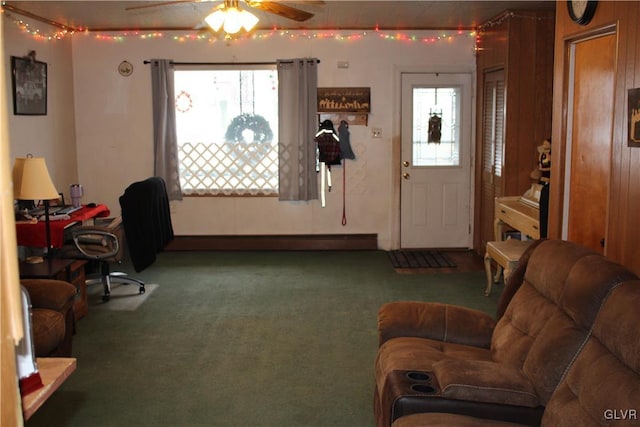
[357, 15]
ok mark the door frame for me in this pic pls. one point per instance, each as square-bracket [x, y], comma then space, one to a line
[567, 126]
[396, 150]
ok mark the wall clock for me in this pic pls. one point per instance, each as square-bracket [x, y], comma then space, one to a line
[581, 11]
[125, 68]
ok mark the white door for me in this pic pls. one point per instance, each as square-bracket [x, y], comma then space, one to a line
[436, 161]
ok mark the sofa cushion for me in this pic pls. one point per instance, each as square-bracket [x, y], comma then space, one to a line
[48, 330]
[442, 322]
[410, 353]
[603, 385]
[484, 381]
[550, 316]
[49, 293]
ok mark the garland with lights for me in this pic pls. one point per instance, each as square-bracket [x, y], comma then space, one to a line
[345, 35]
[257, 124]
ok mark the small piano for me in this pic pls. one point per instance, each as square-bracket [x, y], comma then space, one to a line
[522, 213]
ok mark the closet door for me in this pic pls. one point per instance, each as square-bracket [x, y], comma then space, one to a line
[492, 149]
[589, 141]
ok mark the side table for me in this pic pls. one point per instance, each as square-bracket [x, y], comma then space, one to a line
[506, 254]
[69, 270]
[54, 371]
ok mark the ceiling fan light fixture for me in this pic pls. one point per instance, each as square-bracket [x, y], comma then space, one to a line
[231, 19]
[216, 20]
[249, 20]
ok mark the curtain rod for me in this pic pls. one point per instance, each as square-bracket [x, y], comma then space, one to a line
[149, 61]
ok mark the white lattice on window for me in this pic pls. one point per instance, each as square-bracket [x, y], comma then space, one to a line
[231, 168]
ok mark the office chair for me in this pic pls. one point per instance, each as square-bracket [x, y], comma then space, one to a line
[104, 243]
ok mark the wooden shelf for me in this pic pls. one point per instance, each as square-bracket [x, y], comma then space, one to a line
[53, 371]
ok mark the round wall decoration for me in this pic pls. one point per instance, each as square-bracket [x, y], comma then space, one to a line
[184, 102]
[249, 122]
[582, 11]
[125, 68]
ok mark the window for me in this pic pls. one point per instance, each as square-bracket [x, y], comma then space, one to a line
[227, 125]
[439, 106]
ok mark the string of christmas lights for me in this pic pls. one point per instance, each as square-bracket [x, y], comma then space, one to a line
[35, 32]
[347, 35]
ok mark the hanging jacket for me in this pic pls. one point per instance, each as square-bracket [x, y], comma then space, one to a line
[345, 141]
[328, 144]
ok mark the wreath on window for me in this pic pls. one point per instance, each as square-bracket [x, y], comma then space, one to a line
[183, 102]
[253, 122]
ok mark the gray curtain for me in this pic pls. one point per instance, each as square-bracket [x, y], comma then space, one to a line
[298, 122]
[165, 140]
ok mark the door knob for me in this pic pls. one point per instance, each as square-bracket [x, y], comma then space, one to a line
[405, 164]
[406, 175]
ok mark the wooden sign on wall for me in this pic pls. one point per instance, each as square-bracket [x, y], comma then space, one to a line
[344, 100]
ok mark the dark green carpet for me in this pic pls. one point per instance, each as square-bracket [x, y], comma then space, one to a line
[244, 339]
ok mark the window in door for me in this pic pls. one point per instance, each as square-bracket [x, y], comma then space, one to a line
[436, 126]
[227, 125]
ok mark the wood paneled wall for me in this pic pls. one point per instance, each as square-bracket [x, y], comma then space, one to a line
[521, 43]
[623, 230]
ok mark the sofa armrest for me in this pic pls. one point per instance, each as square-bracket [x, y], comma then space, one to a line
[48, 293]
[437, 321]
[485, 382]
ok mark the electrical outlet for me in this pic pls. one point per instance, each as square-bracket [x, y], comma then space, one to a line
[343, 64]
[376, 133]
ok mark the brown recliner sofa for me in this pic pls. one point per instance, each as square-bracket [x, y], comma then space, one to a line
[602, 386]
[439, 358]
[52, 318]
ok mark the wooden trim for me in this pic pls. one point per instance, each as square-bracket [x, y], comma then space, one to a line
[305, 242]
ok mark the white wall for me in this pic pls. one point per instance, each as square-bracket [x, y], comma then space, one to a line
[51, 136]
[114, 131]
[114, 139]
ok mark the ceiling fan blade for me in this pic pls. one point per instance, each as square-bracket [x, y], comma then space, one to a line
[164, 3]
[281, 10]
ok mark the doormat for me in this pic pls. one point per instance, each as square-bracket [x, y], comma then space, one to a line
[420, 259]
[124, 297]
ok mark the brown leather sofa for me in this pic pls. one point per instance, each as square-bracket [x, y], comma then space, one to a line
[602, 386]
[453, 365]
[52, 318]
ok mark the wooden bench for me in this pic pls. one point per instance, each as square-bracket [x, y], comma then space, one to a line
[506, 254]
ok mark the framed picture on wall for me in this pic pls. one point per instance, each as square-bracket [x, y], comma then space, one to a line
[29, 84]
[634, 117]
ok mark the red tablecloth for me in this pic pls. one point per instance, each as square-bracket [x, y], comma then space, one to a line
[35, 234]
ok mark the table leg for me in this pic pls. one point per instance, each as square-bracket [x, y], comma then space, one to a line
[487, 268]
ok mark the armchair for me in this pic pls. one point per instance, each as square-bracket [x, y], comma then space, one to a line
[52, 316]
[103, 243]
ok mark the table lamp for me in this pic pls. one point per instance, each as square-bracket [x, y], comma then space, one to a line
[31, 181]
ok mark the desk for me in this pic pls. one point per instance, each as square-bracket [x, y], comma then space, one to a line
[517, 214]
[35, 235]
[53, 372]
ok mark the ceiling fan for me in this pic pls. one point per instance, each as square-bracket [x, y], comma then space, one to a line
[276, 7]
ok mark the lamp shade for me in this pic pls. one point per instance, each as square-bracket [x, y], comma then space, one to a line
[249, 20]
[231, 18]
[215, 20]
[31, 180]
